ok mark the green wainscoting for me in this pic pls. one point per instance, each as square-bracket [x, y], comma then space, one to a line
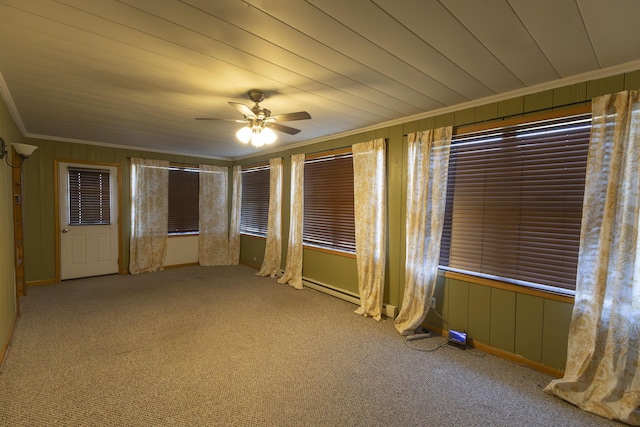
[531, 327]
[252, 250]
[331, 269]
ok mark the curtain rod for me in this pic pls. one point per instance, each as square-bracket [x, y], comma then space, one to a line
[340, 150]
[191, 165]
[511, 116]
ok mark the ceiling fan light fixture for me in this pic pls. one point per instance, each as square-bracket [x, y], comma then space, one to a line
[244, 134]
[257, 139]
[257, 135]
[269, 136]
[259, 121]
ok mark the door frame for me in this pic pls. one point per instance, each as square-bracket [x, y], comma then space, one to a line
[56, 196]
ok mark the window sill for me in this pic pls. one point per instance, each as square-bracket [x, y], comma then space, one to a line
[254, 236]
[330, 251]
[172, 235]
[506, 286]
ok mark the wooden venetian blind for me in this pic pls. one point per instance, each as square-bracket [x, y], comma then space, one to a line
[184, 199]
[514, 201]
[254, 213]
[328, 203]
[89, 196]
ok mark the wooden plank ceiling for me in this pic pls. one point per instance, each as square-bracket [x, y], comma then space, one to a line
[136, 73]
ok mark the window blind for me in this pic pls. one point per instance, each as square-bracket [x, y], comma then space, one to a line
[184, 198]
[254, 213]
[514, 201]
[89, 196]
[328, 203]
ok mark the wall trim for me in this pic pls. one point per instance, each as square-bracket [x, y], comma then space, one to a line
[11, 106]
[7, 343]
[503, 354]
[188, 264]
[41, 282]
[508, 286]
[255, 267]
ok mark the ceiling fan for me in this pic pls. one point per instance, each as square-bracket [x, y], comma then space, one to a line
[260, 122]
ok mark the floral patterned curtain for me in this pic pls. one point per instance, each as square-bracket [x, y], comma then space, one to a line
[427, 171]
[213, 237]
[234, 223]
[603, 365]
[370, 209]
[293, 269]
[149, 215]
[273, 248]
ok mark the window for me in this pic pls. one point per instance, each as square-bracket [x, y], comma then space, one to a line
[514, 202]
[328, 203]
[254, 213]
[184, 190]
[89, 197]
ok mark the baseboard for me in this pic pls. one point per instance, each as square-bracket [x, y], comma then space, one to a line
[7, 343]
[41, 282]
[257, 267]
[503, 354]
[388, 309]
[189, 264]
[557, 373]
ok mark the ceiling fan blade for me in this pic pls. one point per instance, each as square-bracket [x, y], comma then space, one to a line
[244, 110]
[283, 128]
[300, 115]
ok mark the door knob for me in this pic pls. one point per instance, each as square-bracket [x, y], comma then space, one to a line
[65, 230]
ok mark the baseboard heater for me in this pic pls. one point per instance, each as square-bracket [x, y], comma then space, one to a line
[388, 309]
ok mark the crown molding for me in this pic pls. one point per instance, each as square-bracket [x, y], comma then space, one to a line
[121, 146]
[11, 106]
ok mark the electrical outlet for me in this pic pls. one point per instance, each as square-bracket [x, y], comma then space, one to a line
[433, 303]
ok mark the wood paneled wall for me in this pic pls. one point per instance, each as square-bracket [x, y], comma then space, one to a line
[8, 308]
[532, 327]
[39, 185]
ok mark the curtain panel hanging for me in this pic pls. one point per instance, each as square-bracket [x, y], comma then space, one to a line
[234, 222]
[602, 374]
[273, 246]
[213, 237]
[293, 269]
[370, 209]
[427, 171]
[149, 215]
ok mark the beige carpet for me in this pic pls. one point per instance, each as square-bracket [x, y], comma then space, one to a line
[218, 346]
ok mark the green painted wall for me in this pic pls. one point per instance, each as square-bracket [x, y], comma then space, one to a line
[39, 200]
[533, 327]
[10, 133]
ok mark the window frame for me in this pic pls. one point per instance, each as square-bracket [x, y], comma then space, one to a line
[260, 205]
[567, 113]
[342, 243]
[179, 205]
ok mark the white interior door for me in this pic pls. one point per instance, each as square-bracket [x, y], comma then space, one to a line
[88, 225]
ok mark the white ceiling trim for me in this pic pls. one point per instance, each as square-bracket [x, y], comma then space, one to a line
[124, 147]
[11, 106]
